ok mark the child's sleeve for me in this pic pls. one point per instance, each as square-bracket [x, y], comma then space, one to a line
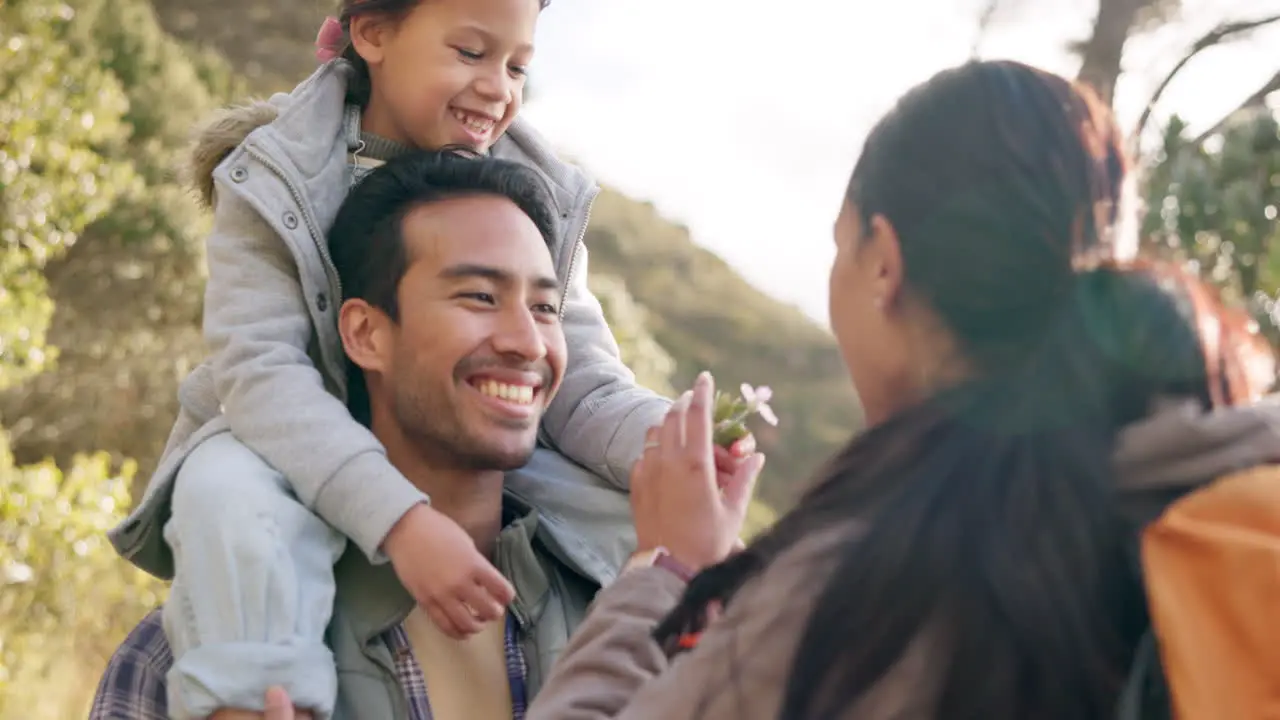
[600, 416]
[258, 328]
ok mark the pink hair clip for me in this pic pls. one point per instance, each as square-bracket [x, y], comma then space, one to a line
[329, 40]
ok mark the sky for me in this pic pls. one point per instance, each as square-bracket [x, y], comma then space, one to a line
[742, 120]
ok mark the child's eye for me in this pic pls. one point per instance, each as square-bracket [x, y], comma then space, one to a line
[546, 309]
[469, 54]
[519, 70]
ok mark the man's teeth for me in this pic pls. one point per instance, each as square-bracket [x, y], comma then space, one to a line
[521, 394]
[473, 122]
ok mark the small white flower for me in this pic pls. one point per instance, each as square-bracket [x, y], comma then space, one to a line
[757, 400]
[766, 413]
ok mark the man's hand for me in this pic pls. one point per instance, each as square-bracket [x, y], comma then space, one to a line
[278, 707]
[438, 563]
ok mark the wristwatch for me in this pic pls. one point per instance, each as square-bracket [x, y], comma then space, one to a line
[659, 557]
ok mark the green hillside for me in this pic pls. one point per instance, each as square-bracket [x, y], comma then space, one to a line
[707, 317]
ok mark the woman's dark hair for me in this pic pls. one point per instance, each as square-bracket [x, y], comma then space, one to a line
[986, 517]
[389, 10]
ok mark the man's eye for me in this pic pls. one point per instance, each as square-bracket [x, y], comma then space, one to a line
[483, 297]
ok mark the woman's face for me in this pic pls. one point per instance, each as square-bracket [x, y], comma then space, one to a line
[865, 309]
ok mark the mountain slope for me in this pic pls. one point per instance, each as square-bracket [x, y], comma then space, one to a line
[707, 317]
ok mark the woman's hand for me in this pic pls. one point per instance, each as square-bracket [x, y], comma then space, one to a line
[677, 499]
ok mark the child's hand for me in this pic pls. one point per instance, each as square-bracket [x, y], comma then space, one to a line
[438, 563]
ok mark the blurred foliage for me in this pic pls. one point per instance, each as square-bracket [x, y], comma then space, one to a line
[66, 599]
[707, 317]
[56, 175]
[1214, 205]
[652, 364]
[128, 294]
[98, 252]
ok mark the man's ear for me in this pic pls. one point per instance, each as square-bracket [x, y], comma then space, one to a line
[368, 35]
[366, 335]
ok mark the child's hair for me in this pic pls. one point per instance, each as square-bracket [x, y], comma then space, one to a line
[391, 10]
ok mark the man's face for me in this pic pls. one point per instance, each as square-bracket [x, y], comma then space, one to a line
[478, 352]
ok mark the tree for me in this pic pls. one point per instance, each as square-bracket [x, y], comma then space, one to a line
[64, 595]
[128, 294]
[56, 175]
[1223, 33]
[1101, 53]
[1214, 205]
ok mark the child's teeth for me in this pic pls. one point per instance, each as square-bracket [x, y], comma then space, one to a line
[473, 122]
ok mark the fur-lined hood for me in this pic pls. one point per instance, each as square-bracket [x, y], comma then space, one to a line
[216, 138]
[226, 129]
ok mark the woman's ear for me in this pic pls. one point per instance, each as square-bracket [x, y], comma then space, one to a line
[366, 335]
[368, 36]
[883, 254]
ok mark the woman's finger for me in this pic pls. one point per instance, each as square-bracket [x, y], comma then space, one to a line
[726, 462]
[652, 440]
[671, 437]
[698, 419]
[739, 487]
[744, 446]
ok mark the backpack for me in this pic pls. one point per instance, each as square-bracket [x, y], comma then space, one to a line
[1211, 569]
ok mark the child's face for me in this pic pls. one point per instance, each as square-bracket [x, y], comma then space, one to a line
[451, 72]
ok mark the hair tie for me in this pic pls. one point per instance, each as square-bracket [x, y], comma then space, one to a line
[329, 40]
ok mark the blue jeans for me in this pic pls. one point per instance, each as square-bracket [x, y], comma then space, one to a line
[252, 588]
[253, 584]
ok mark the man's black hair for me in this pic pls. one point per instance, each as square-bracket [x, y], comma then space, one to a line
[366, 242]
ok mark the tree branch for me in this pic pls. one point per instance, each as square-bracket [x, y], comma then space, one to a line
[984, 26]
[1100, 55]
[1214, 37]
[1253, 100]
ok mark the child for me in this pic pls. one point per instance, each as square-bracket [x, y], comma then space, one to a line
[266, 474]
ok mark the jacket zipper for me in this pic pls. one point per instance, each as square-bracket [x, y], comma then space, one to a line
[573, 254]
[331, 274]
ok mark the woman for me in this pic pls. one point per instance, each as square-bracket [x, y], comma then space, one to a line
[1030, 404]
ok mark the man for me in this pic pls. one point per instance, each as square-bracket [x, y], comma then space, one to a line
[451, 323]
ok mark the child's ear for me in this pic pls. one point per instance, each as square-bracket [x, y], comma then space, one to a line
[368, 36]
[366, 335]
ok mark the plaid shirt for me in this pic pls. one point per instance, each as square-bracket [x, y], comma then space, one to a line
[133, 686]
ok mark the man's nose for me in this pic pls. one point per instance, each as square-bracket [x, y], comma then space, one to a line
[518, 334]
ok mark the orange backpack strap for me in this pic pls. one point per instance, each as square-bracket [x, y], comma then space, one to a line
[1211, 566]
